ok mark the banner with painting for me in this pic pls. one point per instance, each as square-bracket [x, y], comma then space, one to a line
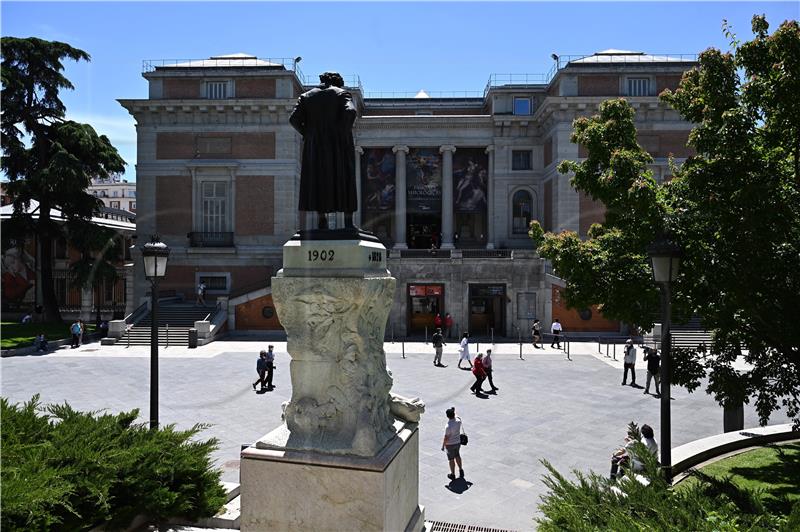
[424, 178]
[378, 171]
[470, 180]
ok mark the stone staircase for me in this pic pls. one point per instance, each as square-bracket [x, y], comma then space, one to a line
[179, 317]
[226, 519]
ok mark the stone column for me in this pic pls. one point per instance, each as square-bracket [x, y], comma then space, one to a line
[400, 197]
[357, 214]
[490, 200]
[447, 196]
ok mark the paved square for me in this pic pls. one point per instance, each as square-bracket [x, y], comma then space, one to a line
[572, 413]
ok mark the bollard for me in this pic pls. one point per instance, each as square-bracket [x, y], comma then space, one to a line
[167, 335]
[403, 344]
[477, 347]
[520, 351]
[492, 335]
[615, 352]
[392, 332]
[426, 334]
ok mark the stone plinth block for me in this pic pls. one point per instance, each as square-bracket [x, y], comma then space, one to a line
[340, 385]
[312, 491]
[334, 258]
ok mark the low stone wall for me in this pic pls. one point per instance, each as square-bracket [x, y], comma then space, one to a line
[699, 451]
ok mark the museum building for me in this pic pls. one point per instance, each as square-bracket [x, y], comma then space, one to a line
[449, 182]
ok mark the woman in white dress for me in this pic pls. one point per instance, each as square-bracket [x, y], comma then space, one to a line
[463, 351]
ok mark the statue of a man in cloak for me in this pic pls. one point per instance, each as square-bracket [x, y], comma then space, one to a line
[325, 116]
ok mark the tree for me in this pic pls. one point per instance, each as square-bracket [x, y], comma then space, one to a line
[734, 207]
[47, 158]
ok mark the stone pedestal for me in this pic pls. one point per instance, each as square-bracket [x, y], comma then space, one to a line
[340, 460]
[284, 490]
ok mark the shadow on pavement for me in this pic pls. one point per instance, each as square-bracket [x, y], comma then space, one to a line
[459, 485]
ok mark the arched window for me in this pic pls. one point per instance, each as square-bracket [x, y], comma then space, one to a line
[522, 211]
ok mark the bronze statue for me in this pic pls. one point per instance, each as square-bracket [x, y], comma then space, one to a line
[325, 116]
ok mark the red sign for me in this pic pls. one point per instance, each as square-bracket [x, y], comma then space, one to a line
[416, 290]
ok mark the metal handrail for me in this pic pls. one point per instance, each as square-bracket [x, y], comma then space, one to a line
[138, 309]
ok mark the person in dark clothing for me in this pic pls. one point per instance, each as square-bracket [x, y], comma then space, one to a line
[261, 368]
[438, 342]
[653, 366]
[487, 367]
[324, 116]
[270, 368]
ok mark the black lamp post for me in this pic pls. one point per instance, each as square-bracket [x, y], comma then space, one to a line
[665, 257]
[155, 254]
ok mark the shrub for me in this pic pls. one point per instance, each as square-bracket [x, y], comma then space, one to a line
[72, 470]
[711, 504]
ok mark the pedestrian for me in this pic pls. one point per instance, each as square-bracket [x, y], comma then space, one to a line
[270, 367]
[629, 363]
[75, 330]
[438, 342]
[201, 294]
[480, 375]
[83, 331]
[626, 454]
[437, 321]
[448, 325]
[536, 334]
[463, 352]
[653, 366]
[487, 366]
[452, 442]
[555, 330]
[261, 368]
[41, 342]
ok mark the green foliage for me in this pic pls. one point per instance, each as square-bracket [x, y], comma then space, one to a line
[592, 502]
[47, 158]
[73, 470]
[734, 207]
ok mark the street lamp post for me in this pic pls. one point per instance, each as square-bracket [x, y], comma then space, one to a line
[155, 254]
[665, 258]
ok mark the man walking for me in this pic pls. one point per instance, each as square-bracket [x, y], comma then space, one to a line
[487, 367]
[555, 330]
[75, 330]
[201, 294]
[438, 342]
[629, 363]
[270, 358]
[261, 368]
[653, 365]
[536, 334]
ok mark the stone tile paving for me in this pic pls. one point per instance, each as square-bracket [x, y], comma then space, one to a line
[572, 413]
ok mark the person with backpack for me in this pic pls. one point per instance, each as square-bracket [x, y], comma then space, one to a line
[653, 366]
[75, 330]
[536, 334]
[438, 342]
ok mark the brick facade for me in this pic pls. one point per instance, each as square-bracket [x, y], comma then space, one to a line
[173, 204]
[591, 212]
[572, 321]
[598, 85]
[251, 316]
[255, 209]
[179, 88]
[255, 88]
[667, 82]
[548, 206]
[215, 145]
[548, 152]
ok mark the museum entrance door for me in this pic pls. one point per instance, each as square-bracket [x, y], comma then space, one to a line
[423, 229]
[487, 309]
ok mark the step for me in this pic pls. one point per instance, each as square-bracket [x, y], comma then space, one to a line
[228, 518]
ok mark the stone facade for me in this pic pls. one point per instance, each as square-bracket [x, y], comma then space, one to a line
[218, 165]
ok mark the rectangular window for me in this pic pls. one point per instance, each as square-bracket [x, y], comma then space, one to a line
[132, 206]
[638, 87]
[216, 90]
[114, 194]
[214, 201]
[521, 160]
[522, 106]
[131, 193]
[115, 205]
[216, 283]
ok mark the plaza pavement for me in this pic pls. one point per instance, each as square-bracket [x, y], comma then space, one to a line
[571, 413]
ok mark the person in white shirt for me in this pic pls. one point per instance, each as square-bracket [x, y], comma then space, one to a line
[463, 352]
[626, 455]
[452, 443]
[629, 362]
[555, 330]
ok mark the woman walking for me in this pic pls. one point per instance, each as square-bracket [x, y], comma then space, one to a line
[480, 375]
[464, 351]
[452, 443]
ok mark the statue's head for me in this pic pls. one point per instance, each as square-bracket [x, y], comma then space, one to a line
[331, 78]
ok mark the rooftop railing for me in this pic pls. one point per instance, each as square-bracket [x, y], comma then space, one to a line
[278, 63]
[422, 95]
[351, 81]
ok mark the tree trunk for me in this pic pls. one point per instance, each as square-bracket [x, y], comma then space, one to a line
[49, 299]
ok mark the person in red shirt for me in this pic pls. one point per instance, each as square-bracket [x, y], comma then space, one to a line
[437, 321]
[448, 325]
[480, 374]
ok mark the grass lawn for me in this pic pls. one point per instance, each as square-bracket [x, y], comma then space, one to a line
[774, 469]
[13, 335]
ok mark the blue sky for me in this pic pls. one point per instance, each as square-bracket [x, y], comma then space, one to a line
[444, 46]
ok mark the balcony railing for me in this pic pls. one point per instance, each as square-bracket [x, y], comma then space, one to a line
[425, 254]
[486, 253]
[198, 239]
